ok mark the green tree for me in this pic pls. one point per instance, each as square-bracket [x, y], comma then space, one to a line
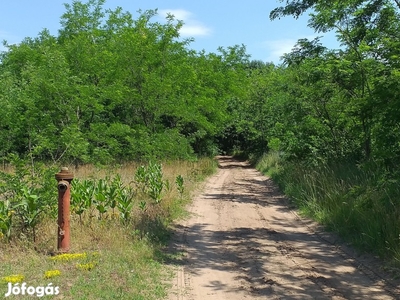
[348, 84]
[113, 87]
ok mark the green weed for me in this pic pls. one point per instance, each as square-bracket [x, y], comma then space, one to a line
[113, 214]
[361, 204]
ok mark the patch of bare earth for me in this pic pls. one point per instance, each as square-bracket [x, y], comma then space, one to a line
[244, 241]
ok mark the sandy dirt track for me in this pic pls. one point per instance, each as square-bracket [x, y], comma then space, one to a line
[244, 241]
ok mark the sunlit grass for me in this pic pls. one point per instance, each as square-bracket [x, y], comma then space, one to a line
[358, 203]
[107, 259]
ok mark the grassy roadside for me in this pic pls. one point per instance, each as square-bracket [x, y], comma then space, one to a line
[361, 204]
[110, 259]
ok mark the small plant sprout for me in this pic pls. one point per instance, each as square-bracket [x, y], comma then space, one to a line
[142, 205]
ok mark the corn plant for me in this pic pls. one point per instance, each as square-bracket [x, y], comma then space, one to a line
[29, 208]
[141, 178]
[167, 185]
[112, 192]
[21, 207]
[100, 197]
[6, 215]
[179, 185]
[143, 206]
[125, 203]
[82, 193]
[150, 181]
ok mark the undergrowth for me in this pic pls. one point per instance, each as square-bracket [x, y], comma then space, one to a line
[360, 203]
[120, 223]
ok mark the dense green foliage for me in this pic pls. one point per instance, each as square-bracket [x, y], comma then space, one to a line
[111, 87]
[344, 103]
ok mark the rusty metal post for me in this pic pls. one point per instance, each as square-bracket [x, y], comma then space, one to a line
[64, 178]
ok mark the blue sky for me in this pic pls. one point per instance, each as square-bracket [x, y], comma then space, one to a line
[211, 23]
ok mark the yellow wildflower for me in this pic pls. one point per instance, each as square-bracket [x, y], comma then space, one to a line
[87, 267]
[52, 273]
[13, 278]
[68, 256]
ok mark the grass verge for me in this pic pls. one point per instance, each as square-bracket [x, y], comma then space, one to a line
[110, 259]
[362, 204]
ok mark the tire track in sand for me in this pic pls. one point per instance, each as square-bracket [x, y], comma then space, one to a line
[243, 241]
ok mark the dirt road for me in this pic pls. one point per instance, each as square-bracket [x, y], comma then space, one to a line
[243, 241]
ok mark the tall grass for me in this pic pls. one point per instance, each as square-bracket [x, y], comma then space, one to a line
[129, 255]
[362, 204]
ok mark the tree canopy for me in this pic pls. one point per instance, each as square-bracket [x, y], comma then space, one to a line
[113, 87]
[110, 86]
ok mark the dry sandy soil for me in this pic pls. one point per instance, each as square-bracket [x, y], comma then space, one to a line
[243, 240]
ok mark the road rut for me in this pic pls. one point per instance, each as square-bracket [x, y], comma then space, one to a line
[244, 241]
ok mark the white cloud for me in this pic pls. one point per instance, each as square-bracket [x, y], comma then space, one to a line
[191, 27]
[194, 30]
[179, 14]
[277, 48]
